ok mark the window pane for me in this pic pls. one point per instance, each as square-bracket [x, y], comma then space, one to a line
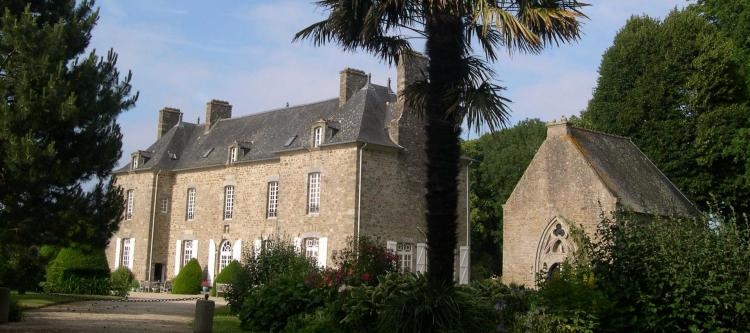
[317, 136]
[129, 207]
[404, 252]
[125, 254]
[190, 204]
[273, 198]
[313, 193]
[226, 255]
[311, 248]
[228, 202]
[187, 251]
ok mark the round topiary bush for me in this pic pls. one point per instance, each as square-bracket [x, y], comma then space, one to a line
[78, 271]
[227, 275]
[188, 281]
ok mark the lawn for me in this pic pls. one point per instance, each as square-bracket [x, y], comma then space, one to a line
[35, 300]
[225, 321]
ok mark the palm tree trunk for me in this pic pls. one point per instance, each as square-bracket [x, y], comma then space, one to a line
[444, 49]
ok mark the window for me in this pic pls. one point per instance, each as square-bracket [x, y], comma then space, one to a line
[311, 248]
[228, 201]
[273, 199]
[404, 252]
[225, 256]
[187, 251]
[164, 205]
[317, 136]
[129, 206]
[125, 254]
[313, 193]
[233, 154]
[135, 162]
[190, 214]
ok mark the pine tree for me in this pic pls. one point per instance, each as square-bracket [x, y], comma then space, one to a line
[58, 127]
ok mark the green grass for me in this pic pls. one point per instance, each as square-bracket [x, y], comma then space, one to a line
[35, 300]
[225, 321]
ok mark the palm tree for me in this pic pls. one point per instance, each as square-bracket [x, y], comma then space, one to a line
[459, 83]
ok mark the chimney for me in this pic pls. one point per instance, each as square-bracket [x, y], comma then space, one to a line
[411, 67]
[351, 80]
[215, 111]
[558, 127]
[168, 118]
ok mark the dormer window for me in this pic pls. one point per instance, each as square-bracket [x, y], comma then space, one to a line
[317, 136]
[233, 154]
[135, 162]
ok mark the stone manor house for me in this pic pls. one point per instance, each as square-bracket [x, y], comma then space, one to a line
[317, 174]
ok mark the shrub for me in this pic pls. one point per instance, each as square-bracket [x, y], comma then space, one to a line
[78, 270]
[268, 307]
[674, 274]
[122, 281]
[15, 314]
[230, 274]
[188, 281]
[359, 263]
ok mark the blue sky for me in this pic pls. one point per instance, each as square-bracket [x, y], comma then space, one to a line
[184, 53]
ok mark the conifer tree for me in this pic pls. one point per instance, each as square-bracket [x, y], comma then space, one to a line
[58, 129]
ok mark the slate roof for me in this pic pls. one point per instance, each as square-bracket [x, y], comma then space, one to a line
[261, 136]
[636, 182]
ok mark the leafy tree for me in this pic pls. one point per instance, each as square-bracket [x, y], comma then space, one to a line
[732, 18]
[58, 126]
[501, 158]
[459, 83]
[675, 87]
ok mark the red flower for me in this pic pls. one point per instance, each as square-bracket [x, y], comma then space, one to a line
[366, 277]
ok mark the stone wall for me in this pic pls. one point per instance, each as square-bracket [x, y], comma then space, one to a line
[558, 183]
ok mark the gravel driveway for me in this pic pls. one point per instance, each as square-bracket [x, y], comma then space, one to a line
[164, 315]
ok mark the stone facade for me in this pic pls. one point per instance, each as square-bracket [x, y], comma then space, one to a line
[368, 186]
[570, 182]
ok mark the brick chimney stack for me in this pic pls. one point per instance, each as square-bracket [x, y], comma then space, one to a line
[351, 80]
[168, 118]
[215, 111]
[558, 127]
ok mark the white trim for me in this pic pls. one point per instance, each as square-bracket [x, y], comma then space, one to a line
[118, 242]
[391, 246]
[195, 249]
[257, 243]
[177, 256]
[322, 251]
[211, 260]
[298, 244]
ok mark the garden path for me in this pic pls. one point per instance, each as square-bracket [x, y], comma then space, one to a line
[166, 315]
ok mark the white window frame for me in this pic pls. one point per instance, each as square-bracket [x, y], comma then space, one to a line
[164, 205]
[187, 251]
[225, 255]
[405, 252]
[313, 192]
[311, 247]
[125, 252]
[135, 162]
[233, 154]
[273, 199]
[228, 202]
[129, 206]
[190, 209]
[317, 136]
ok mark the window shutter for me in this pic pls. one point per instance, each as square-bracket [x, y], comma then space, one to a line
[322, 251]
[118, 242]
[237, 250]
[421, 257]
[211, 259]
[195, 249]
[132, 254]
[464, 265]
[390, 246]
[177, 256]
[298, 244]
[256, 246]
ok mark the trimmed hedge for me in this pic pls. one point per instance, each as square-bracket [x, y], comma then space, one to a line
[188, 281]
[122, 281]
[78, 271]
[229, 274]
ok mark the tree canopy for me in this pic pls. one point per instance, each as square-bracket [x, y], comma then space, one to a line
[676, 87]
[58, 126]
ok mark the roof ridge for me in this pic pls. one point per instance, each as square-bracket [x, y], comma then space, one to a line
[602, 133]
[280, 109]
